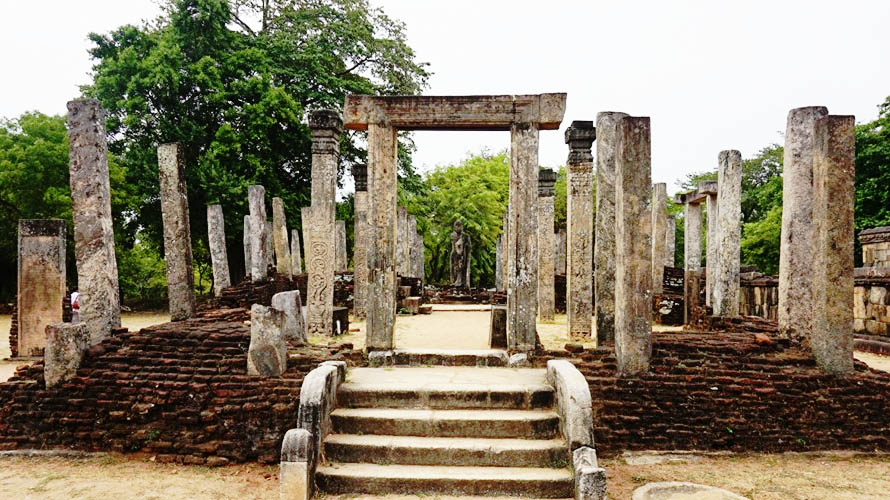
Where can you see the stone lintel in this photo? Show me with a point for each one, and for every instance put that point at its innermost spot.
(707, 188)
(490, 112)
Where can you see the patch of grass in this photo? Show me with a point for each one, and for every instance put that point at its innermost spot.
(638, 479)
(41, 485)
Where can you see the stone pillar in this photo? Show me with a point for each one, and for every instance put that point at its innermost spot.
(283, 262)
(546, 245)
(832, 266)
(604, 247)
(340, 264)
(725, 301)
(318, 228)
(177, 233)
(248, 268)
(659, 224)
(401, 242)
(795, 313)
(411, 239)
(692, 236)
(216, 240)
(91, 207)
(41, 282)
(420, 257)
(709, 188)
(579, 218)
(633, 248)
(270, 248)
(670, 241)
(561, 251)
(295, 253)
(65, 345)
(381, 295)
(360, 252)
(522, 245)
(499, 264)
(267, 352)
(256, 195)
(291, 305)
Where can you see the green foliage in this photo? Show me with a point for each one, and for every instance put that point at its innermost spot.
(873, 171)
(761, 240)
(475, 192)
(559, 199)
(142, 274)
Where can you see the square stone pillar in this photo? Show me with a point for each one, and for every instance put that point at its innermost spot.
(360, 252)
(256, 196)
(709, 189)
(41, 282)
(692, 236)
(579, 219)
(270, 248)
(499, 265)
(796, 248)
(633, 247)
(522, 245)
(725, 301)
(561, 251)
(283, 262)
(670, 241)
(177, 233)
(296, 255)
(402, 242)
(832, 266)
(93, 231)
(659, 235)
(419, 257)
(412, 247)
(340, 264)
(216, 240)
(382, 236)
(604, 246)
(319, 228)
(546, 245)
(245, 240)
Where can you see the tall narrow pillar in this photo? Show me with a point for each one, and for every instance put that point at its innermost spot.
(546, 245)
(41, 282)
(256, 197)
(216, 240)
(659, 225)
(604, 246)
(177, 233)
(296, 255)
(340, 246)
(709, 189)
(832, 267)
(499, 264)
(420, 251)
(381, 295)
(522, 245)
(270, 248)
(245, 241)
(579, 218)
(360, 253)
(725, 301)
(692, 236)
(633, 248)
(411, 238)
(670, 241)
(401, 242)
(283, 262)
(319, 228)
(795, 313)
(91, 207)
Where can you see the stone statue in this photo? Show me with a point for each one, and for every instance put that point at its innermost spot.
(460, 256)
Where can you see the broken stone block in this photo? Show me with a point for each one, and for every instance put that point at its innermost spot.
(267, 354)
(294, 481)
(518, 360)
(497, 332)
(289, 303)
(411, 304)
(65, 345)
(380, 358)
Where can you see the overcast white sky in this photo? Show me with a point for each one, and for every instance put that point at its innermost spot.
(712, 75)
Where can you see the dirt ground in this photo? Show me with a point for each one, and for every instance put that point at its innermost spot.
(758, 477)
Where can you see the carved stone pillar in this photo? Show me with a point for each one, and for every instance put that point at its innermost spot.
(360, 253)
(216, 240)
(659, 224)
(546, 245)
(725, 301)
(41, 282)
(633, 249)
(283, 261)
(319, 232)
(579, 218)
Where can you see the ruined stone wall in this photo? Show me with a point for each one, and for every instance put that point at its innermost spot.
(179, 391)
(871, 306)
(759, 297)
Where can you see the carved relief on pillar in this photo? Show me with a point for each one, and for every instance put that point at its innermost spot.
(579, 205)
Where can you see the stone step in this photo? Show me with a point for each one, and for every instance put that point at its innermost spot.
(424, 479)
(537, 424)
(519, 397)
(450, 357)
(414, 450)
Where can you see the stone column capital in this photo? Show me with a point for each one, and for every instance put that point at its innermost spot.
(360, 175)
(326, 126)
(546, 181)
(580, 136)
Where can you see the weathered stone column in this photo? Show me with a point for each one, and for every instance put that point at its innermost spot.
(296, 255)
(561, 251)
(216, 240)
(725, 301)
(360, 252)
(319, 228)
(283, 261)
(411, 238)
(270, 248)
(381, 295)
(402, 242)
(833, 193)
(420, 257)
(340, 246)
(245, 240)
(177, 233)
(692, 236)
(499, 263)
(659, 224)
(795, 313)
(579, 219)
(670, 241)
(41, 282)
(91, 207)
(65, 345)
(604, 246)
(709, 188)
(256, 196)
(546, 245)
(633, 248)
(522, 245)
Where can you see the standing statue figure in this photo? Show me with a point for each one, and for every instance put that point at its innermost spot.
(460, 256)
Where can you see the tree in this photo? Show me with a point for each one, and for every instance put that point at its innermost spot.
(873, 171)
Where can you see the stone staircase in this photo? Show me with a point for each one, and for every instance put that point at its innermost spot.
(446, 431)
